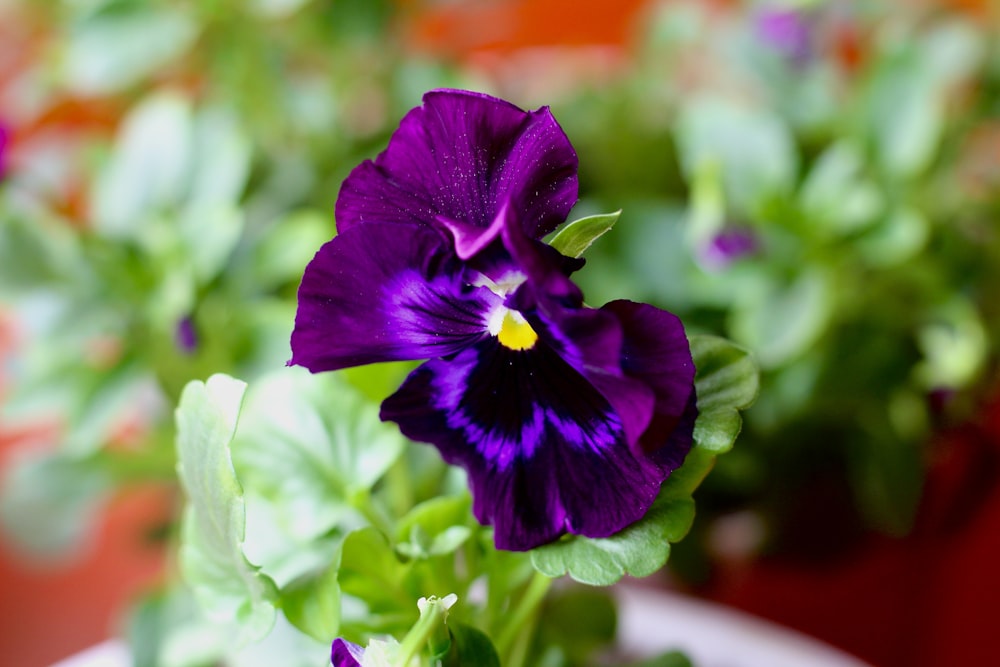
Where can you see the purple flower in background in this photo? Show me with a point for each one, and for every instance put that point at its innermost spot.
(345, 654)
(566, 418)
(787, 31)
(727, 246)
(185, 336)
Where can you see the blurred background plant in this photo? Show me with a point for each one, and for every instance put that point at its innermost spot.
(819, 181)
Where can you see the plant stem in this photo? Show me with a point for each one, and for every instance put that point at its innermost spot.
(522, 618)
(431, 619)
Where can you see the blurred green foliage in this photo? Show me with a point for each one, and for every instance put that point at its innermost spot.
(863, 170)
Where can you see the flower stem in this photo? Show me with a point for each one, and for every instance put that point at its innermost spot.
(432, 618)
(523, 616)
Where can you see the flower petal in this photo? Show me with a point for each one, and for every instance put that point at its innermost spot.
(656, 352)
(346, 654)
(590, 340)
(382, 292)
(545, 451)
(461, 156)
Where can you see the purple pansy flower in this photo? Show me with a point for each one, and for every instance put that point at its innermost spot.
(727, 246)
(346, 654)
(186, 336)
(788, 31)
(566, 418)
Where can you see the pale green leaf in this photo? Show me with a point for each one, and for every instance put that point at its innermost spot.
(726, 382)
(110, 50)
(221, 153)
(574, 239)
(639, 550)
(313, 443)
(284, 248)
(209, 232)
(434, 527)
(212, 561)
(149, 168)
(836, 195)
(433, 517)
(753, 147)
(370, 571)
(896, 239)
(781, 320)
(312, 603)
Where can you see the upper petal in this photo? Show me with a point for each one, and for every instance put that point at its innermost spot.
(382, 292)
(546, 453)
(461, 156)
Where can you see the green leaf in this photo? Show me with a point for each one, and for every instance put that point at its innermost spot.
(212, 561)
(469, 646)
(726, 382)
(284, 248)
(639, 550)
(685, 480)
(168, 628)
(312, 603)
(36, 252)
(579, 621)
(434, 527)
(110, 50)
(221, 153)
(370, 570)
(896, 239)
(753, 146)
(836, 195)
(148, 169)
(781, 320)
(907, 105)
(574, 239)
(209, 232)
(313, 445)
(376, 381)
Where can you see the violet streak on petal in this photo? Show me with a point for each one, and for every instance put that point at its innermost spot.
(379, 292)
(346, 654)
(545, 452)
(461, 156)
(590, 340)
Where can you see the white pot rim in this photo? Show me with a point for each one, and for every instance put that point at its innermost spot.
(650, 621)
(653, 621)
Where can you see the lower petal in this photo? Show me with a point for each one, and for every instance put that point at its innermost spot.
(656, 352)
(545, 452)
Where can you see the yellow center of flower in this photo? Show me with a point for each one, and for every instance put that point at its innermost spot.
(515, 332)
